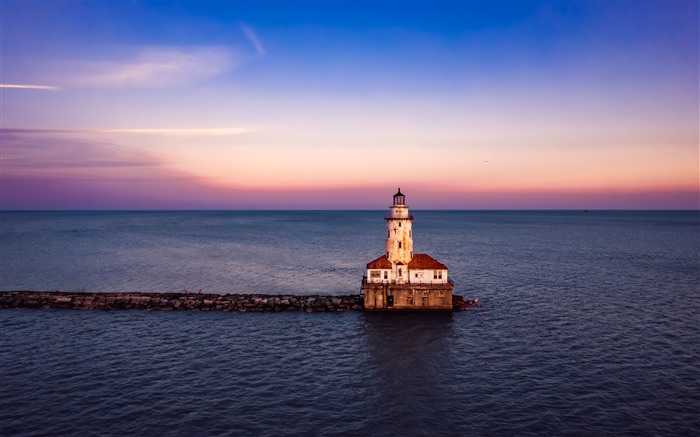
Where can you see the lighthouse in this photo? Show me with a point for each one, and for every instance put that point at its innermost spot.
(400, 279)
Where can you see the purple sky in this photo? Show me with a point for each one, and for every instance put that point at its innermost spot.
(296, 105)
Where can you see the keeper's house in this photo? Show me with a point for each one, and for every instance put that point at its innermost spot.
(400, 279)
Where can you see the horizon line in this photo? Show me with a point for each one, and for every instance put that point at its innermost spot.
(348, 210)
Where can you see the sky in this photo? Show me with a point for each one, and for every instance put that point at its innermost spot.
(334, 105)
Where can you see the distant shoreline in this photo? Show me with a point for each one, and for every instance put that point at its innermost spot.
(189, 301)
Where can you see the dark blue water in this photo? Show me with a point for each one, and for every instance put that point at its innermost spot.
(590, 325)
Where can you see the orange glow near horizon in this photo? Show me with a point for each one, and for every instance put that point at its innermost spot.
(591, 169)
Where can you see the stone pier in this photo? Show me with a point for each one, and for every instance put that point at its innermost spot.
(191, 301)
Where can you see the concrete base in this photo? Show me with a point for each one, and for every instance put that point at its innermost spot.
(407, 297)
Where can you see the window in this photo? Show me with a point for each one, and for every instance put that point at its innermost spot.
(440, 274)
(416, 275)
(410, 233)
(374, 274)
(399, 224)
(400, 272)
(434, 274)
(399, 245)
(386, 275)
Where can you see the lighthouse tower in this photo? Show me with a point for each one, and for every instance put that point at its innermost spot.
(399, 237)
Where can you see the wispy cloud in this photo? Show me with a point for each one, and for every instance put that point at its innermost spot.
(24, 153)
(153, 67)
(253, 39)
(216, 131)
(63, 172)
(28, 87)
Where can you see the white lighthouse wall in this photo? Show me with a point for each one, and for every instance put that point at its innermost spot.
(379, 276)
(397, 211)
(427, 276)
(402, 234)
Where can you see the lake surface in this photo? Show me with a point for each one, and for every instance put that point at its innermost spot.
(590, 325)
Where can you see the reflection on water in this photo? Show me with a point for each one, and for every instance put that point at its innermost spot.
(408, 355)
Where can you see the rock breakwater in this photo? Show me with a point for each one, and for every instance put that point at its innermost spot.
(178, 301)
(189, 301)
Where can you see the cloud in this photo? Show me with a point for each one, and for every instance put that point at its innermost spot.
(23, 153)
(253, 39)
(212, 131)
(60, 172)
(153, 67)
(28, 87)
(215, 131)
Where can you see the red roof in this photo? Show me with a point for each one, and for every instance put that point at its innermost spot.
(425, 262)
(420, 261)
(380, 263)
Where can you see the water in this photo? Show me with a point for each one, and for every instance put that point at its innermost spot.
(590, 326)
